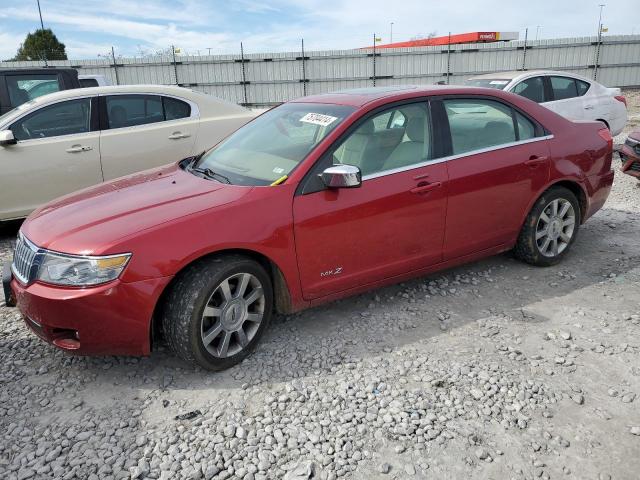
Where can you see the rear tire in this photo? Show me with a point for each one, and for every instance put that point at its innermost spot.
(550, 229)
(217, 311)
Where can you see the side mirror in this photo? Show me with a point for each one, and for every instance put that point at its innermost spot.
(342, 176)
(7, 138)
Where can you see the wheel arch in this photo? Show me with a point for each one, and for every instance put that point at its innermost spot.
(570, 184)
(281, 292)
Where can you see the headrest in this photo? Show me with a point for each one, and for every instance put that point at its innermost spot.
(415, 129)
(366, 128)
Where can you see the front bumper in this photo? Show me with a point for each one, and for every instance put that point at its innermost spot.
(630, 161)
(110, 319)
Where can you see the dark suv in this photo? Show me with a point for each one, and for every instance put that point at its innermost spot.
(19, 85)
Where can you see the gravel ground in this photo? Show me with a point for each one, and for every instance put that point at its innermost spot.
(492, 370)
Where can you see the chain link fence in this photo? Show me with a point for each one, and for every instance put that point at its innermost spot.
(271, 78)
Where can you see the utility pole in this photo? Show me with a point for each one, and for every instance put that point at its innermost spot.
(391, 34)
(538, 27)
(595, 66)
(209, 49)
(40, 13)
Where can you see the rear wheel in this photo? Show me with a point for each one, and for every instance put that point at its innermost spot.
(217, 311)
(550, 228)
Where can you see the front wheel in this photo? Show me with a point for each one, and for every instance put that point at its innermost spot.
(217, 311)
(550, 228)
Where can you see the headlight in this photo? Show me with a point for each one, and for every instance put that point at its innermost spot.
(77, 271)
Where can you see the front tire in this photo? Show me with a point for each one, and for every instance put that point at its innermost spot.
(550, 229)
(217, 311)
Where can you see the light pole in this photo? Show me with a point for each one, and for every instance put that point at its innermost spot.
(538, 27)
(602, 5)
(391, 34)
(40, 13)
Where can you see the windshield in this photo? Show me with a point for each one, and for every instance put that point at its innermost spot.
(497, 83)
(271, 146)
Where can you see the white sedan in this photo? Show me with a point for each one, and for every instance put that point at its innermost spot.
(572, 96)
(72, 139)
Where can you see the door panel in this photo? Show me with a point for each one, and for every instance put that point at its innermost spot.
(488, 195)
(137, 137)
(132, 149)
(351, 237)
(38, 170)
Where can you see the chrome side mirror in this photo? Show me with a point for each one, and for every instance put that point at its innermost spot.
(7, 138)
(342, 176)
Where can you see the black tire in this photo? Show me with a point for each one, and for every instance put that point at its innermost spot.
(182, 320)
(527, 248)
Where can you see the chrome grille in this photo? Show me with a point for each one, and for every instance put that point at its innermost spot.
(24, 259)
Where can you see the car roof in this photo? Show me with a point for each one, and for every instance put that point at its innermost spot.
(513, 74)
(358, 97)
(107, 89)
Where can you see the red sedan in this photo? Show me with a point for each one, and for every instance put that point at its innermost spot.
(318, 199)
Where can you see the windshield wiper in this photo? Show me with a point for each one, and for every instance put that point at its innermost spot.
(208, 173)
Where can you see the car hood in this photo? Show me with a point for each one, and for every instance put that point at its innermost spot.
(93, 220)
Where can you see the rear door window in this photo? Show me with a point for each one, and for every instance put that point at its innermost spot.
(478, 124)
(63, 118)
(563, 88)
(23, 88)
(531, 88)
(133, 110)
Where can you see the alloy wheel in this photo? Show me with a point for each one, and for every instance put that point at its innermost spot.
(232, 315)
(555, 228)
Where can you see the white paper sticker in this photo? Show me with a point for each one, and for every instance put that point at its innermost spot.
(318, 119)
(278, 170)
(498, 82)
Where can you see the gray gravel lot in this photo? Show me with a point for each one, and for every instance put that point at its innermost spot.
(492, 370)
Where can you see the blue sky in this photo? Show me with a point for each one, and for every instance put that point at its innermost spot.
(90, 27)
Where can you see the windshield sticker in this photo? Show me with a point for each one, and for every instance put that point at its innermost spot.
(278, 170)
(498, 82)
(318, 119)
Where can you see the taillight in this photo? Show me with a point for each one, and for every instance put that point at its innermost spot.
(622, 99)
(605, 134)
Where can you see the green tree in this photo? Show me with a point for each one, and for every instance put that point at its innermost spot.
(41, 45)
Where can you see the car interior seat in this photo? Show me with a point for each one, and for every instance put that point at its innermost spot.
(496, 133)
(117, 116)
(356, 147)
(412, 151)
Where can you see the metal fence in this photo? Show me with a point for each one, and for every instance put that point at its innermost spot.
(270, 78)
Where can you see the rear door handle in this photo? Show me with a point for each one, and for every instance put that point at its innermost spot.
(424, 187)
(534, 161)
(78, 148)
(178, 136)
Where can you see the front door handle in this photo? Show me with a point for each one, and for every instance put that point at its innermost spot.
(78, 148)
(588, 107)
(534, 161)
(424, 187)
(178, 136)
